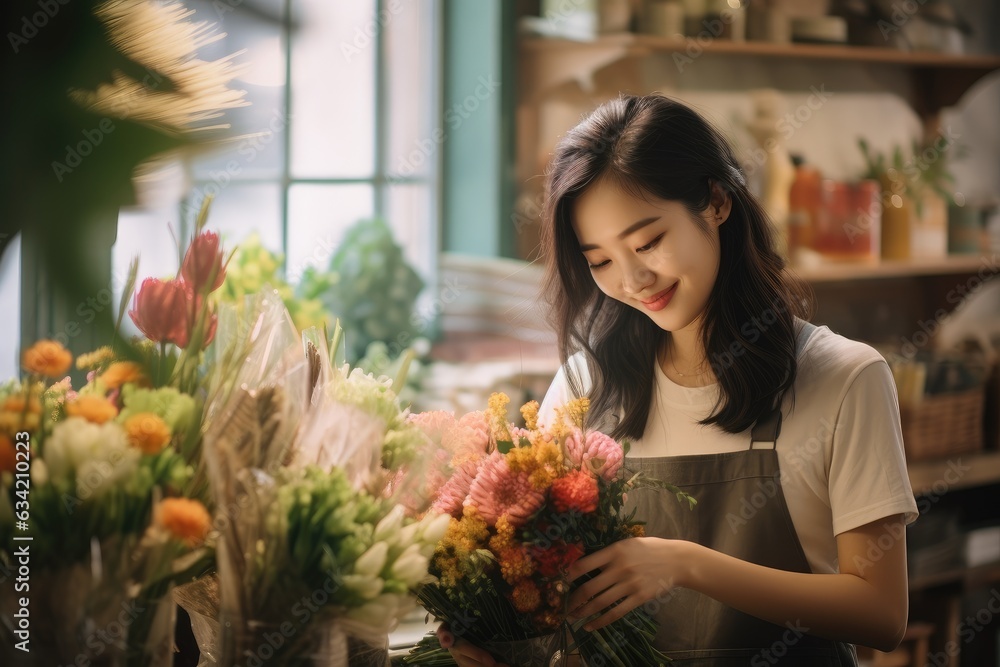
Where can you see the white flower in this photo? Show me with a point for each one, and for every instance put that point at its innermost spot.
(436, 525)
(408, 533)
(91, 456)
(372, 561)
(39, 473)
(365, 586)
(380, 614)
(411, 566)
(389, 527)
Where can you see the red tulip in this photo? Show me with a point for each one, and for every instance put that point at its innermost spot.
(195, 303)
(203, 263)
(160, 310)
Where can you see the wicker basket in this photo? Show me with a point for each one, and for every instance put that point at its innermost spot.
(991, 414)
(943, 425)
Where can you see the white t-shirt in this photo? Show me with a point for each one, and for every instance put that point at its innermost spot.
(840, 448)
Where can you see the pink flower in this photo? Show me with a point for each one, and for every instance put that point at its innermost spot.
(451, 497)
(468, 439)
(160, 309)
(202, 267)
(577, 491)
(595, 452)
(496, 491)
(435, 424)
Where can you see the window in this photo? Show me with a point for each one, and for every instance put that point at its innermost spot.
(345, 102)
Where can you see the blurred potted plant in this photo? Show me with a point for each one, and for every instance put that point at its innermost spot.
(916, 193)
(374, 290)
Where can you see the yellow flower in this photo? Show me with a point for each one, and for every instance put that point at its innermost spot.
(147, 432)
(123, 372)
(521, 459)
(471, 530)
(94, 409)
(7, 455)
(95, 359)
(530, 413)
(48, 358)
(549, 464)
(183, 518)
(505, 535)
(497, 412)
(575, 411)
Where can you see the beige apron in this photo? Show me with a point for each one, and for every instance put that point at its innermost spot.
(695, 630)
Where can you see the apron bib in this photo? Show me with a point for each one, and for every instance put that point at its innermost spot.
(741, 511)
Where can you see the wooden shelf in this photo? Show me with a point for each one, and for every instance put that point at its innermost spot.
(940, 79)
(645, 44)
(950, 265)
(961, 471)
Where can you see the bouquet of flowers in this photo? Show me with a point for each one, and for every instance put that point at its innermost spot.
(316, 556)
(101, 485)
(526, 503)
(92, 498)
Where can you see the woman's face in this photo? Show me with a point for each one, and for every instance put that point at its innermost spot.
(650, 253)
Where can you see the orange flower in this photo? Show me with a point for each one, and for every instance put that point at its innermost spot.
(92, 408)
(7, 457)
(577, 491)
(48, 358)
(183, 518)
(12, 422)
(515, 564)
(147, 432)
(526, 596)
(16, 403)
(123, 372)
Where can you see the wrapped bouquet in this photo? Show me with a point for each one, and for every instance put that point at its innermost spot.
(526, 503)
(317, 557)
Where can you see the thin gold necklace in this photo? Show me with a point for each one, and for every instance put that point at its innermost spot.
(670, 357)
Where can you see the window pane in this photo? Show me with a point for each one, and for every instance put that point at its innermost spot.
(149, 233)
(410, 211)
(415, 138)
(318, 215)
(258, 150)
(333, 90)
(10, 305)
(240, 210)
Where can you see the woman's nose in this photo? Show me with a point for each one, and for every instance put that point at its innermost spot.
(637, 277)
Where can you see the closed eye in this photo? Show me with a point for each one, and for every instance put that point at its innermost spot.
(649, 246)
(600, 265)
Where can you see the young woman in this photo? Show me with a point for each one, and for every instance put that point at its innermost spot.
(675, 318)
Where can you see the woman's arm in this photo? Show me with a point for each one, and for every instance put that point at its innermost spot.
(866, 603)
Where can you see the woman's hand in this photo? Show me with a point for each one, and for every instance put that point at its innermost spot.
(632, 572)
(464, 653)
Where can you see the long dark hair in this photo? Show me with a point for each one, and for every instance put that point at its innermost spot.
(652, 145)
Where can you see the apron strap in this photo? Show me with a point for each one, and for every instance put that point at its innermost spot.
(768, 428)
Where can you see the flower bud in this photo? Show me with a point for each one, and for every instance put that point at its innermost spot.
(372, 561)
(159, 310)
(202, 268)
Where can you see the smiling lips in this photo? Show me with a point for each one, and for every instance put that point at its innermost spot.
(660, 301)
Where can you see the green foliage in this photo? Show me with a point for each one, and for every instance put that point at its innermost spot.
(375, 289)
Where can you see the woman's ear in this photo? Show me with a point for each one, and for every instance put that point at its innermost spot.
(720, 204)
